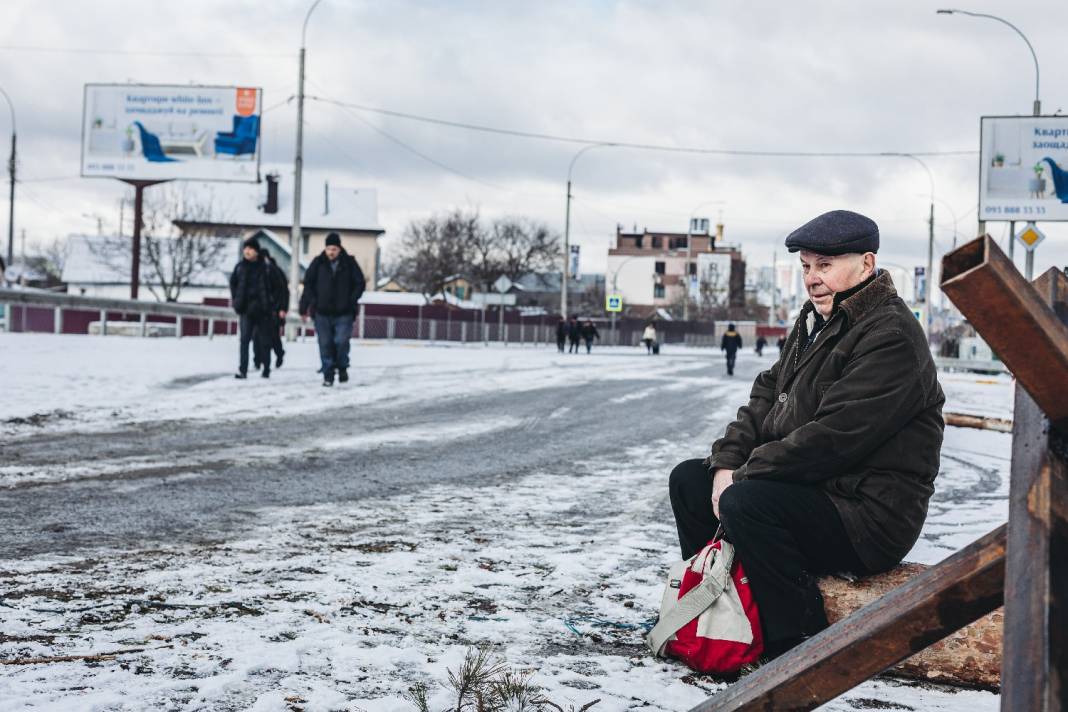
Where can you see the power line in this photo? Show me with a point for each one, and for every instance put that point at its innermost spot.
(630, 144)
(151, 53)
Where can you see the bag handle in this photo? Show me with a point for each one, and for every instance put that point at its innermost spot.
(694, 602)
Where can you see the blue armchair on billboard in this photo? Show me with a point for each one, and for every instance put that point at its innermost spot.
(242, 139)
(1060, 179)
(150, 146)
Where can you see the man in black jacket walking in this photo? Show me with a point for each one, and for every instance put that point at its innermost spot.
(731, 342)
(830, 465)
(250, 295)
(279, 303)
(332, 286)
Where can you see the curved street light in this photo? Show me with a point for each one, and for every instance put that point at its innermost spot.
(930, 244)
(565, 274)
(11, 175)
(1038, 104)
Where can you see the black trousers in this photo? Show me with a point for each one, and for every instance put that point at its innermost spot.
(731, 355)
(256, 329)
(276, 336)
(784, 534)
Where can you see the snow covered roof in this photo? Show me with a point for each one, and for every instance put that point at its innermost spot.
(414, 299)
(86, 265)
(325, 204)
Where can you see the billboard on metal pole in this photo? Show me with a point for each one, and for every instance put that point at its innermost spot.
(1023, 168)
(163, 132)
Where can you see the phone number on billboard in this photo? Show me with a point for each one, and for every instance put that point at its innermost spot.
(1013, 210)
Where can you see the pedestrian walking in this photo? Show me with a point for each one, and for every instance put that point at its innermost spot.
(574, 335)
(649, 337)
(781, 343)
(250, 295)
(830, 464)
(761, 342)
(333, 284)
(731, 342)
(561, 334)
(280, 303)
(589, 333)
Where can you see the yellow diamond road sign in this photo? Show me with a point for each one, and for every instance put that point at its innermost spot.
(1030, 236)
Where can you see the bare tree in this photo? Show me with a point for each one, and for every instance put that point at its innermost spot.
(434, 250)
(171, 259)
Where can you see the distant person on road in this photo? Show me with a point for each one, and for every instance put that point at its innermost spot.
(731, 342)
(250, 295)
(280, 306)
(561, 334)
(781, 343)
(574, 335)
(761, 342)
(649, 337)
(589, 333)
(332, 286)
(831, 461)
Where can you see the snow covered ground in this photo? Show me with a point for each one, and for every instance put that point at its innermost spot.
(346, 605)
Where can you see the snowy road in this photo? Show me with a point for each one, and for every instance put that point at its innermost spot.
(275, 546)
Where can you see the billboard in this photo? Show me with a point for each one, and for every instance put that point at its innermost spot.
(160, 132)
(1023, 168)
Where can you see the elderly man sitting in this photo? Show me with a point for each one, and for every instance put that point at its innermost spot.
(830, 465)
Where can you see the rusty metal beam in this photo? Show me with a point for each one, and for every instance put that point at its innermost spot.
(906, 620)
(1035, 674)
(1008, 313)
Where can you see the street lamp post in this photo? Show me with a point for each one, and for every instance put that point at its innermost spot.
(298, 177)
(930, 246)
(615, 289)
(11, 177)
(689, 256)
(1037, 107)
(566, 273)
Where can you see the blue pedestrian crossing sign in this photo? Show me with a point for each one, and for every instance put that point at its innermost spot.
(613, 303)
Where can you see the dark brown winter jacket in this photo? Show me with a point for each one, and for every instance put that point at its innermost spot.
(857, 413)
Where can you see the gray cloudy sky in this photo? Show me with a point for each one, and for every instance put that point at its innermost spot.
(834, 76)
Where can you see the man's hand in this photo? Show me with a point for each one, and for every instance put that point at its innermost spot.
(281, 315)
(721, 480)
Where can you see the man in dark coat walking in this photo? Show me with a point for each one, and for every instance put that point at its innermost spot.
(279, 303)
(574, 334)
(332, 286)
(561, 334)
(250, 295)
(589, 333)
(830, 465)
(731, 342)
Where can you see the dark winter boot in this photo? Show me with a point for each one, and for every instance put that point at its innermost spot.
(343, 375)
(278, 361)
(240, 374)
(266, 371)
(328, 378)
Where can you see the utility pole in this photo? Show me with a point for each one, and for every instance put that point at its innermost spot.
(11, 164)
(295, 236)
(565, 274)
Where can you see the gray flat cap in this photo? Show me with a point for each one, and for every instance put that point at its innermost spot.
(836, 233)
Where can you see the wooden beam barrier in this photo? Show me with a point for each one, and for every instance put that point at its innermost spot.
(927, 608)
(979, 422)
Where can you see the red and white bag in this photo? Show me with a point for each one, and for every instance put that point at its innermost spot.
(708, 618)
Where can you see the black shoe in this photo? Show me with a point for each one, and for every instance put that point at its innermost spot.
(256, 364)
(266, 372)
(328, 379)
(278, 361)
(240, 374)
(343, 375)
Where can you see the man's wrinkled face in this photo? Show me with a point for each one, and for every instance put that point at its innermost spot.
(251, 254)
(827, 274)
(332, 251)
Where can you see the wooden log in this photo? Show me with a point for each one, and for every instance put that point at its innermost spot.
(970, 657)
(979, 422)
(927, 608)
